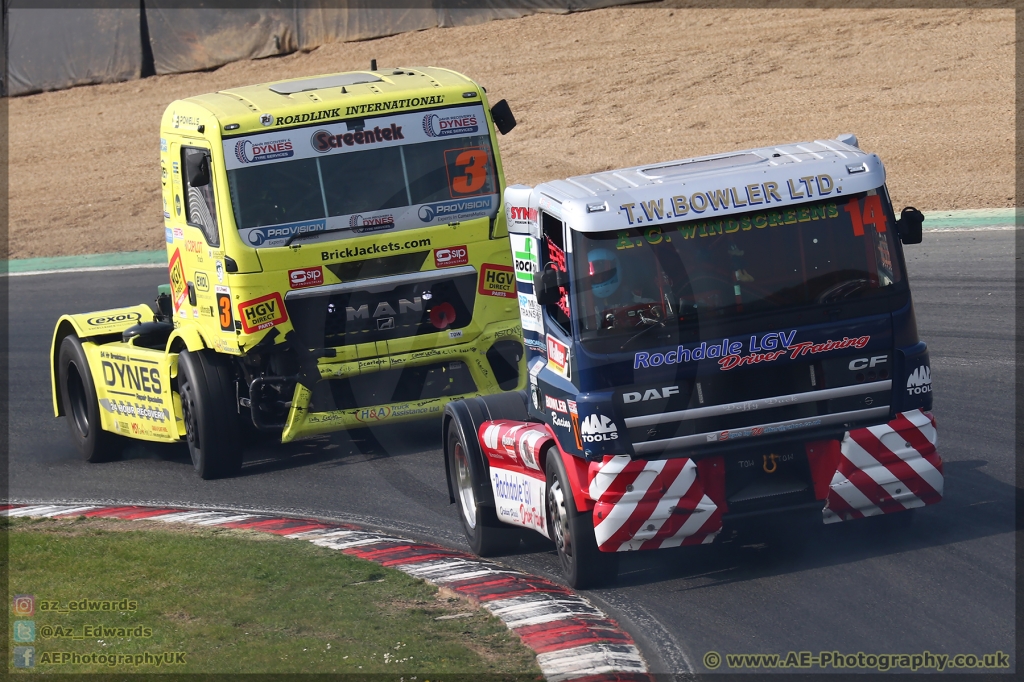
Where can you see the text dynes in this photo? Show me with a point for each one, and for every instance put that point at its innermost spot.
(766, 348)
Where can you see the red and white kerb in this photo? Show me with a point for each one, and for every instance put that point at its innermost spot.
(885, 469)
(650, 504)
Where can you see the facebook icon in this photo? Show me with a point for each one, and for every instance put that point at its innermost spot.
(24, 657)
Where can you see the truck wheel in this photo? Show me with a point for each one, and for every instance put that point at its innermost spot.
(583, 563)
(207, 390)
(81, 406)
(487, 535)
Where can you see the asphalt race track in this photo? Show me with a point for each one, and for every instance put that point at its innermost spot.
(945, 584)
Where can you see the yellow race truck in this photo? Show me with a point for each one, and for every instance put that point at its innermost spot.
(338, 258)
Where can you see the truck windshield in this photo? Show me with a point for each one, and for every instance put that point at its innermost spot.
(374, 174)
(634, 287)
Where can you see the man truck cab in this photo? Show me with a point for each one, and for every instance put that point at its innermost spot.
(707, 339)
(337, 258)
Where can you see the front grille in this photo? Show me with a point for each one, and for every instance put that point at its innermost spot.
(418, 303)
(406, 385)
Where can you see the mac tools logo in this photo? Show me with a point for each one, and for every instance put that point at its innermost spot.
(442, 126)
(597, 428)
(248, 152)
(920, 381)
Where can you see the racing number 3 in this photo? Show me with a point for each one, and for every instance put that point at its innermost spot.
(224, 305)
(872, 215)
(473, 163)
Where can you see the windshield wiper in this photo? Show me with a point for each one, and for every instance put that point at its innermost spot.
(302, 235)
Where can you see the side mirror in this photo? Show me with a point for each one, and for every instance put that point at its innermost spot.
(502, 116)
(546, 284)
(909, 225)
(197, 170)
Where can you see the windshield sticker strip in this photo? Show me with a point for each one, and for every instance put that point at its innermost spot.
(764, 348)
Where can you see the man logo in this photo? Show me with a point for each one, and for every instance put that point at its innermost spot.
(650, 394)
(597, 428)
(920, 381)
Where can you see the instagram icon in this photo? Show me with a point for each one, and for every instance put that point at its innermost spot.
(24, 604)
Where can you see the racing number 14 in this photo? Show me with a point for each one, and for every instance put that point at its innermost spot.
(872, 215)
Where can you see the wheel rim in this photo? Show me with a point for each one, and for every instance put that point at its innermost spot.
(464, 482)
(188, 415)
(558, 519)
(79, 403)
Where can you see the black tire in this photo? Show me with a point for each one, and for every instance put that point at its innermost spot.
(583, 564)
(207, 389)
(82, 407)
(487, 536)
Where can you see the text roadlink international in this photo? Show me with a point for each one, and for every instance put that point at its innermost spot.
(838, 660)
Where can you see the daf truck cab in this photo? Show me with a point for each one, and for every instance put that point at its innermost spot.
(707, 339)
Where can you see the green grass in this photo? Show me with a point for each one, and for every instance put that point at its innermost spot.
(240, 602)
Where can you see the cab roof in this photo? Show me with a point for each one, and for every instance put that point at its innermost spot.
(341, 92)
(735, 182)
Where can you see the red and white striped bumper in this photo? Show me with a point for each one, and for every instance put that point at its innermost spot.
(644, 504)
(885, 469)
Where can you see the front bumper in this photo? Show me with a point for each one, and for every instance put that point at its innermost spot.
(302, 422)
(651, 504)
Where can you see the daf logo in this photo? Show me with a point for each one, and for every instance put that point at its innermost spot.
(864, 363)
(650, 394)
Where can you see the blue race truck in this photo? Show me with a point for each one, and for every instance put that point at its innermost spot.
(707, 339)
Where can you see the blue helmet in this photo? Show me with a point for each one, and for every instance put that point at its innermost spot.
(604, 272)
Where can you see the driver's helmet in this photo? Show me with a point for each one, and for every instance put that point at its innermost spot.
(604, 272)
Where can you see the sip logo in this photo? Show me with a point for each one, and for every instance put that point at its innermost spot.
(306, 277)
(262, 313)
(451, 256)
(597, 428)
(179, 291)
(497, 280)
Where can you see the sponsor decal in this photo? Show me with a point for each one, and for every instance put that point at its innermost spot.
(455, 334)
(202, 281)
(530, 313)
(324, 141)
(391, 105)
(497, 280)
(556, 404)
(262, 313)
(177, 205)
(168, 234)
(461, 208)
(219, 266)
(222, 289)
(764, 348)
(650, 394)
(373, 414)
(266, 120)
(523, 260)
(558, 357)
(450, 256)
(247, 151)
(273, 236)
(120, 373)
(514, 331)
(377, 223)
(195, 313)
(865, 363)
(193, 246)
(920, 381)
(372, 249)
(179, 233)
(560, 421)
(306, 277)
(312, 117)
(179, 289)
(443, 126)
(163, 144)
(574, 416)
(113, 318)
(206, 311)
(522, 215)
(534, 344)
(722, 436)
(179, 120)
(597, 428)
(519, 499)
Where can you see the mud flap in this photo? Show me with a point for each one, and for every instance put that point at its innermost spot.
(886, 469)
(651, 504)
